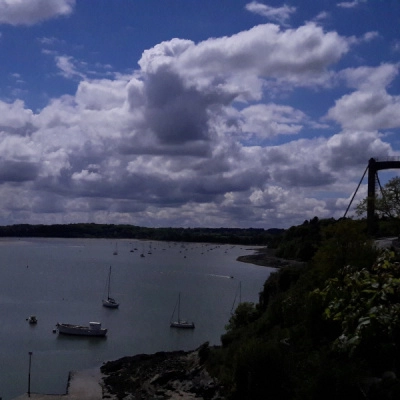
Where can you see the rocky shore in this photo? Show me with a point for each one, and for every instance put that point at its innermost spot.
(266, 257)
(163, 375)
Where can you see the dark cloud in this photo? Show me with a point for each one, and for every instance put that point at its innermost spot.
(48, 204)
(18, 171)
(25, 130)
(303, 176)
(177, 114)
(352, 148)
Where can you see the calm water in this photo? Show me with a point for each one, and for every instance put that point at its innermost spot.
(63, 280)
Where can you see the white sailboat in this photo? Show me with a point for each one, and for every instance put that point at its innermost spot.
(109, 301)
(142, 253)
(180, 323)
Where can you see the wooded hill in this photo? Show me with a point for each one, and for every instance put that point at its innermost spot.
(327, 330)
(250, 236)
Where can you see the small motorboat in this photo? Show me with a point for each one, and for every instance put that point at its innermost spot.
(32, 319)
(94, 329)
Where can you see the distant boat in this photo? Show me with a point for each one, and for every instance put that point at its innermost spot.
(180, 323)
(142, 253)
(32, 319)
(109, 301)
(94, 329)
(116, 249)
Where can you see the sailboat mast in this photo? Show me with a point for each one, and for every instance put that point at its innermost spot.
(179, 307)
(109, 283)
(237, 294)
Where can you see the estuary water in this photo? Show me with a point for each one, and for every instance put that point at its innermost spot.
(64, 280)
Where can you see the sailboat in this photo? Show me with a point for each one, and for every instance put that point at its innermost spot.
(109, 301)
(180, 323)
(238, 294)
(115, 253)
(142, 253)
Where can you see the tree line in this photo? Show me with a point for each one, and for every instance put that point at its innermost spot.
(249, 236)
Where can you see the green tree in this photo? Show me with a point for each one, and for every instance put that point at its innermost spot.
(345, 242)
(244, 314)
(366, 304)
(387, 203)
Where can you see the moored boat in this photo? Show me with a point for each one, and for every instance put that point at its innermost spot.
(94, 329)
(180, 323)
(32, 319)
(109, 301)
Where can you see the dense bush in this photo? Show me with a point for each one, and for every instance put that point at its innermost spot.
(328, 330)
(366, 305)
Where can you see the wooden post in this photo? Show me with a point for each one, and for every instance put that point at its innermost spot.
(29, 374)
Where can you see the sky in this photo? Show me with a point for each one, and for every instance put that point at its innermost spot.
(189, 113)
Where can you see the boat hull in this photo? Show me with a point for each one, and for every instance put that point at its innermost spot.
(110, 303)
(182, 325)
(94, 329)
(32, 320)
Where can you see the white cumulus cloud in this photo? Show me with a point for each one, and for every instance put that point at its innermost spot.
(22, 12)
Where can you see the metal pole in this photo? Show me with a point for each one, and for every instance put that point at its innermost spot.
(29, 374)
(354, 195)
(372, 169)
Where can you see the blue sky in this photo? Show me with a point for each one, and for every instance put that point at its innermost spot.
(194, 113)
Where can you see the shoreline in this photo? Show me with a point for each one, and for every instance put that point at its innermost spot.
(83, 384)
(163, 375)
(266, 257)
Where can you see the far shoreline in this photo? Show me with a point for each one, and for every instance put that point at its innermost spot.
(266, 257)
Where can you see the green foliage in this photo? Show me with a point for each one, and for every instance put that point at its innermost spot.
(387, 203)
(278, 282)
(244, 315)
(319, 330)
(301, 242)
(260, 372)
(338, 379)
(388, 227)
(344, 243)
(366, 304)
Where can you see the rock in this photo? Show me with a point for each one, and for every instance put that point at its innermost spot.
(162, 375)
